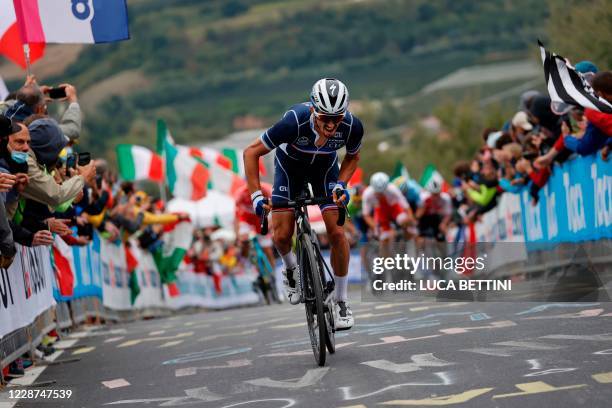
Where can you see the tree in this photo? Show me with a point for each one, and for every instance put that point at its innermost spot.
(581, 30)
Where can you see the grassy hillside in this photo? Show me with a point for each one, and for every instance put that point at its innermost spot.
(199, 64)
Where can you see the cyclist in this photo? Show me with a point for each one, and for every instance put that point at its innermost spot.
(384, 204)
(306, 140)
(411, 191)
(435, 212)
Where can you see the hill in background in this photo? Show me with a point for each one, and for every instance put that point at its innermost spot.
(210, 68)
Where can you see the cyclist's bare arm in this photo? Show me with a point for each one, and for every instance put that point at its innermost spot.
(251, 157)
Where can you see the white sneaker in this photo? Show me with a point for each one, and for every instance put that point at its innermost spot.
(291, 280)
(343, 316)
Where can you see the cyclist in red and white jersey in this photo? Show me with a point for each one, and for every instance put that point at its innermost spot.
(383, 205)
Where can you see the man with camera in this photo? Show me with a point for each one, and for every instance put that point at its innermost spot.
(32, 99)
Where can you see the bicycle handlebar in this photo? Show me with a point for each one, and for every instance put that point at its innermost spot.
(303, 202)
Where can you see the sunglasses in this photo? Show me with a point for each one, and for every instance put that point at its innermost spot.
(333, 119)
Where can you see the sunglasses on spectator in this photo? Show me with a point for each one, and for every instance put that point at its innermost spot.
(333, 119)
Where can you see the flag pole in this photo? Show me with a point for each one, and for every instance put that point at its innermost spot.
(26, 52)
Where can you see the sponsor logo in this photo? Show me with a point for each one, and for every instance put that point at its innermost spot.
(602, 188)
(283, 188)
(302, 141)
(533, 221)
(574, 200)
(551, 213)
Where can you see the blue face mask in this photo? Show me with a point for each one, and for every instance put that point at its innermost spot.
(19, 157)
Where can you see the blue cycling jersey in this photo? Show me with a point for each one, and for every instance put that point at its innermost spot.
(295, 135)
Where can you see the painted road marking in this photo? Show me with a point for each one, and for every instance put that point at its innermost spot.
(494, 325)
(535, 364)
(443, 379)
(550, 371)
(418, 361)
(537, 387)
(541, 308)
(157, 332)
(114, 339)
(479, 316)
(201, 394)
(311, 377)
(603, 378)
(443, 400)
(118, 383)
(398, 339)
(170, 344)
(83, 350)
(586, 337)
(509, 348)
(302, 352)
(185, 372)
(578, 315)
(290, 326)
(138, 341)
(207, 355)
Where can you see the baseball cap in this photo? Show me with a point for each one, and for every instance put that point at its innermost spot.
(8, 127)
(521, 120)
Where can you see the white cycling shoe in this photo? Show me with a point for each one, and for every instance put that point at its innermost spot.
(291, 281)
(343, 316)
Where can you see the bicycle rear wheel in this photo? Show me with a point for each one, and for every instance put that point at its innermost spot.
(313, 296)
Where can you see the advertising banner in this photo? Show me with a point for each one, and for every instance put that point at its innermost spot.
(575, 205)
(199, 289)
(115, 278)
(26, 288)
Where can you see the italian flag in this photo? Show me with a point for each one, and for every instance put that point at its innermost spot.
(211, 157)
(224, 173)
(430, 174)
(237, 164)
(63, 261)
(177, 240)
(187, 177)
(139, 163)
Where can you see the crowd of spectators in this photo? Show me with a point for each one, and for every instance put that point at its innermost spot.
(50, 188)
(524, 151)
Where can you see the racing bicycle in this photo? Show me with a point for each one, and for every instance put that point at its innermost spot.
(317, 281)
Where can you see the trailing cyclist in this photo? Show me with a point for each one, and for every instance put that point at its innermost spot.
(385, 205)
(306, 140)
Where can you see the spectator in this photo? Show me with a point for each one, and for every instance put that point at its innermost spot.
(31, 99)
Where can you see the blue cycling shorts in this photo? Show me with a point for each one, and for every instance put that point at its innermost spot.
(290, 176)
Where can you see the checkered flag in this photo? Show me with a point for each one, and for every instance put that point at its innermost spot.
(566, 85)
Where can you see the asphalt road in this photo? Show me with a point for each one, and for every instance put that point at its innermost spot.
(398, 354)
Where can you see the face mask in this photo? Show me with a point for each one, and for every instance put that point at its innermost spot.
(19, 157)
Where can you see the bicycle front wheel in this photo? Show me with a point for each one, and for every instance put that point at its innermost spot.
(313, 299)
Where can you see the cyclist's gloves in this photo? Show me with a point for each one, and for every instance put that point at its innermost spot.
(258, 200)
(340, 190)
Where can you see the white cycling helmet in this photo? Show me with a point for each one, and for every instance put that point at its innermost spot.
(434, 186)
(329, 97)
(379, 182)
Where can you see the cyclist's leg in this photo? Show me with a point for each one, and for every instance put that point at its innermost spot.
(288, 179)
